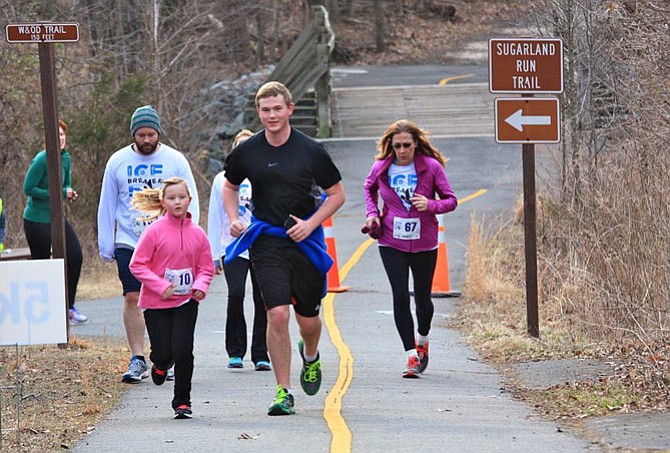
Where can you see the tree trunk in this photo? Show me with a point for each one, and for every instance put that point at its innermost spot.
(380, 44)
(348, 8)
(260, 44)
(236, 30)
(333, 8)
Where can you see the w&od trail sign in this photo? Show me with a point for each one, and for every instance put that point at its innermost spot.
(45, 34)
(42, 32)
(526, 65)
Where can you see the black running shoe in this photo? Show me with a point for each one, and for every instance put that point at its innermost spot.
(183, 411)
(157, 375)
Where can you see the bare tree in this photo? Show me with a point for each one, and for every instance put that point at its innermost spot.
(610, 223)
(380, 43)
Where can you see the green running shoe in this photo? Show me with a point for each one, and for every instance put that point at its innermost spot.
(310, 375)
(283, 403)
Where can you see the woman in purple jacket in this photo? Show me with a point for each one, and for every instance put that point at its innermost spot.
(409, 176)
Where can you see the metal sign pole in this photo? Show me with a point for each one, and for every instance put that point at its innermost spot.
(17, 390)
(18, 399)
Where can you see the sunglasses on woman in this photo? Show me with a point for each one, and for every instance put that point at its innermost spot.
(402, 145)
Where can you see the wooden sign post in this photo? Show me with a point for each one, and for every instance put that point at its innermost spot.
(44, 35)
(527, 66)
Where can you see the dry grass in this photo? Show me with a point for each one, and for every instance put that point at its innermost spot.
(493, 311)
(99, 281)
(492, 314)
(64, 391)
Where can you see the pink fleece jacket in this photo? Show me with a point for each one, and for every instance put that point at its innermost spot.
(432, 183)
(172, 243)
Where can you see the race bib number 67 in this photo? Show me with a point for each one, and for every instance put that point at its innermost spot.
(406, 229)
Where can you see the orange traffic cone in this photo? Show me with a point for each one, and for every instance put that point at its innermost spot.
(334, 272)
(441, 287)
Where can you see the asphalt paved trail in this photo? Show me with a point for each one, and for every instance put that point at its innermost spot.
(364, 405)
(458, 404)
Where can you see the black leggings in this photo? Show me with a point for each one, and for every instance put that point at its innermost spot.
(236, 327)
(38, 236)
(171, 332)
(397, 265)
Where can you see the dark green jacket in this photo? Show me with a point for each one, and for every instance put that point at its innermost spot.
(36, 186)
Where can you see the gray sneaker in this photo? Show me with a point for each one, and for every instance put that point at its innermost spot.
(310, 375)
(137, 370)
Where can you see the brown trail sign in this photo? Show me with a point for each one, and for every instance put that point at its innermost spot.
(42, 32)
(527, 120)
(526, 65)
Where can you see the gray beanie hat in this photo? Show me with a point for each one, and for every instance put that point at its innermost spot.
(145, 116)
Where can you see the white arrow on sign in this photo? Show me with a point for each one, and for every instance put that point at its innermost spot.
(518, 121)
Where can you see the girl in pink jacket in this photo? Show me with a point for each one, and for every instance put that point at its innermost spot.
(174, 263)
(408, 175)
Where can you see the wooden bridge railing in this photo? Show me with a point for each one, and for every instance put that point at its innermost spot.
(305, 66)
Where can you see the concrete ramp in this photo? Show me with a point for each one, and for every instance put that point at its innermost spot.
(458, 109)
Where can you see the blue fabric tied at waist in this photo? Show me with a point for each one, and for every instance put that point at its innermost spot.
(314, 247)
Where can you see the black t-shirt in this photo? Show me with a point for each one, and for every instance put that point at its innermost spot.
(283, 178)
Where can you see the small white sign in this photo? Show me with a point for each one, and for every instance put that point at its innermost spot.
(32, 302)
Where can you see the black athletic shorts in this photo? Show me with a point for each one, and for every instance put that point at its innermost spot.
(286, 276)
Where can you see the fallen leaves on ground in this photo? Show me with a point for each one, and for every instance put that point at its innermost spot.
(62, 392)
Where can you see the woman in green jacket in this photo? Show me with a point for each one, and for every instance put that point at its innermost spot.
(37, 219)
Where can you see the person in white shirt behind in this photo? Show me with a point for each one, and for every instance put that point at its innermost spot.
(235, 273)
(144, 163)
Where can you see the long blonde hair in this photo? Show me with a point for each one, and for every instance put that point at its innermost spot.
(148, 200)
(420, 136)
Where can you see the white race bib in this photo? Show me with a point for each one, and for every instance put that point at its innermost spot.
(406, 229)
(182, 279)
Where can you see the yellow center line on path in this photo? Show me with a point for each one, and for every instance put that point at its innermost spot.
(479, 193)
(332, 410)
(449, 79)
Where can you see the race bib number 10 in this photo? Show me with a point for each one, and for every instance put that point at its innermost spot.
(182, 279)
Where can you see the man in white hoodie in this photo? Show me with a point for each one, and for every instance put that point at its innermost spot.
(145, 162)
